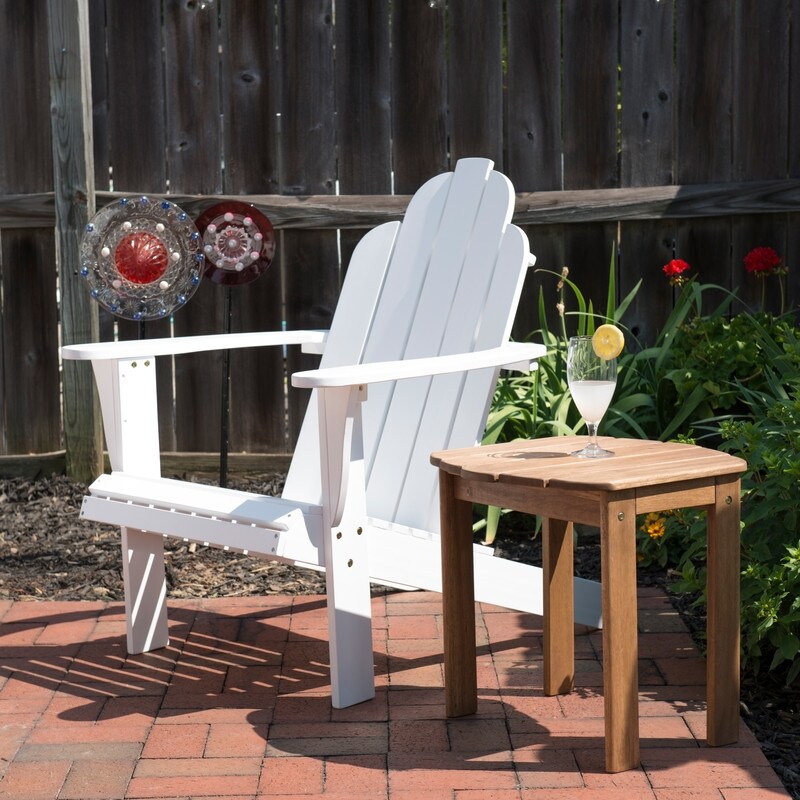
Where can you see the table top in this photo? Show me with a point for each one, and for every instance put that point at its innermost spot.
(547, 462)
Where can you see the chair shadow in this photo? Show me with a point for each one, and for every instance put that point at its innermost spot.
(256, 661)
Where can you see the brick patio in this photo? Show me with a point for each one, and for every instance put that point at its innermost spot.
(238, 708)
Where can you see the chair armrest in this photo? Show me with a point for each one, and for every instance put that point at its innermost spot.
(514, 355)
(142, 348)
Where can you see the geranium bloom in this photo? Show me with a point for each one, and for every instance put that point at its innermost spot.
(763, 261)
(674, 271)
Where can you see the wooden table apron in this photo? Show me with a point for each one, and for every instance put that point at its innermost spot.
(539, 477)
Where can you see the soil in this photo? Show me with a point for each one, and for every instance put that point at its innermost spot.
(48, 553)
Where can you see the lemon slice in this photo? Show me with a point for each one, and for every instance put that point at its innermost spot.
(608, 341)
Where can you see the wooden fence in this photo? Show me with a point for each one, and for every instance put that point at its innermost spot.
(665, 129)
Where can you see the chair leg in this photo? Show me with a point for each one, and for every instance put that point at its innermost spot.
(349, 617)
(145, 590)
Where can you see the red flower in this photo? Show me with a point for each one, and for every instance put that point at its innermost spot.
(763, 261)
(674, 271)
(675, 267)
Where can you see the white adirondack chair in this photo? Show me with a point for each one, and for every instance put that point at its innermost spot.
(423, 320)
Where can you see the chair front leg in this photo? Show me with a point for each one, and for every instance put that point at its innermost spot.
(145, 590)
(346, 560)
(128, 398)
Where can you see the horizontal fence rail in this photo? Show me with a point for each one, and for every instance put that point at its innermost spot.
(344, 212)
(641, 128)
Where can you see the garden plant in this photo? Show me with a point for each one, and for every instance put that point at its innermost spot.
(720, 375)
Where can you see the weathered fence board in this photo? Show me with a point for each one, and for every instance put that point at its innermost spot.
(419, 110)
(646, 155)
(363, 84)
(251, 94)
(661, 128)
(704, 65)
(308, 160)
(589, 128)
(344, 212)
(475, 84)
(30, 363)
(29, 389)
(533, 100)
(73, 176)
(192, 92)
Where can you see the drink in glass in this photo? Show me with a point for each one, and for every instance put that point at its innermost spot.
(591, 380)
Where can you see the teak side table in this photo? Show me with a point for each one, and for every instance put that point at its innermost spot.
(540, 477)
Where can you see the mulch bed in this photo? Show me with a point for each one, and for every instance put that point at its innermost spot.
(48, 553)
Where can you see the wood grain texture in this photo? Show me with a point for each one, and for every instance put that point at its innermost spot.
(761, 89)
(363, 86)
(704, 41)
(647, 151)
(559, 606)
(419, 109)
(192, 92)
(25, 154)
(475, 85)
(461, 683)
(533, 101)
(136, 112)
(308, 157)
(73, 177)
(36, 209)
(646, 86)
(724, 578)
(30, 402)
(620, 645)
(520, 475)
(250, 87)
(25, 166)
(645, 246)
(589, 87)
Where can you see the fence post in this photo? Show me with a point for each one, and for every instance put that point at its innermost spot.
(73, 180)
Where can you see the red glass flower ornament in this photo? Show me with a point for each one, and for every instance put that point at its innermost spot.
(238, 242)
(141, 257)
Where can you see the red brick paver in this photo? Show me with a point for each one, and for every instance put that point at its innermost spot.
(238, 708)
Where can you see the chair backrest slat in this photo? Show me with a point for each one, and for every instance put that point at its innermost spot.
(451, 284)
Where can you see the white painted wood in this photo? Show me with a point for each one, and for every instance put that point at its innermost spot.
(447, 320)
(513, 355)
(128, 401)
(416, 561)
(433, 296)
(249, 539)
(145, 348)
(127, 391)
(351, 325)
(145, 591)
(198, 498)
(344, 522)
(419, 497)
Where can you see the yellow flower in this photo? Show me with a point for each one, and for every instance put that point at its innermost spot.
(654, 525)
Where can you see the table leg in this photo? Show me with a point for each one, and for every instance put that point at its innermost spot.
(722, 663)
(559, 603)
(620, 644)
(458, 601)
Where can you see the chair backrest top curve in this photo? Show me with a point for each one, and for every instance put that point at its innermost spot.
(446, 280)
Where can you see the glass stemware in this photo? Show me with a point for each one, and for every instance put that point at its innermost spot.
(591, 380)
